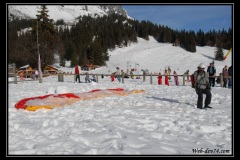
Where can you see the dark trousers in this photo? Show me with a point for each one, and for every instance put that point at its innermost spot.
(78, 78)
(225, 80)
(200, 93)
(212, 81)
(119, 78)
(230, 82)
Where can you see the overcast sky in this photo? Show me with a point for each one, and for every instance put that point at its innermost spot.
(188, 17)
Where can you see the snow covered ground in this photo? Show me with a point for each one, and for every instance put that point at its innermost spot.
(162, 121)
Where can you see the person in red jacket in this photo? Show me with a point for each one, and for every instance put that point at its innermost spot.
(166, 77)
(176, 78)
(159, 78)
(77, 72)
(112, 77)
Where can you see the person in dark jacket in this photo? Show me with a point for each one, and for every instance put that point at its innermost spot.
(211, 73)
(230, 77)
(202, 87)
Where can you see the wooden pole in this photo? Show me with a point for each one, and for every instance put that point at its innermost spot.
(14, 72)
(144, 78)
(221, 82)
(151, 78)
(122, 77)
(184, 79)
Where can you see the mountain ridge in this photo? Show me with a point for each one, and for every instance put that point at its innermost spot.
(68, 13)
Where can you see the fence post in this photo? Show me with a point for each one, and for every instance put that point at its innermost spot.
(40, 80)
(39, 76)
(221, 82)
(144, 78)
(15, 74)
(97, 78)
(151, 78)
(122, 77)
(184, 79)
(60, 77)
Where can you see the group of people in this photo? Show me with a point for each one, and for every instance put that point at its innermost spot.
(167, 72)
(33, 75)
(227, 76)
(203, 80)
(87, 78)
(226, 73)
(116, 74)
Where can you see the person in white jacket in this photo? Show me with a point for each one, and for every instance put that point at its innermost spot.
(202, 86)
(118, 74)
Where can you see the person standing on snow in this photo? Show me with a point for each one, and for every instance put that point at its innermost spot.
(202, 86)
(87, 79)
(166, 77)
(77, 72)
(169, 72)
(176, 78)
(112, 77)
(187, 73)
(211, 73)
(36, 74)
(131, 73)
(93, 78)
(225, 76)
(159, 78)
(118, 74)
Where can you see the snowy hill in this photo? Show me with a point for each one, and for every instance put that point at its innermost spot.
(156, 56)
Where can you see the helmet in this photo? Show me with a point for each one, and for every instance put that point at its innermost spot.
(201, 65)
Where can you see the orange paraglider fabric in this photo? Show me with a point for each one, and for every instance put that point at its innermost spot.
(51, 101)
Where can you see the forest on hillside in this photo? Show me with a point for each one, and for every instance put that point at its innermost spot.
(88, 41)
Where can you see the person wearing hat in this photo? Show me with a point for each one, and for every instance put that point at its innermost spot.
(225, 76)
(211, 73)
(202, 87)
(118, 74)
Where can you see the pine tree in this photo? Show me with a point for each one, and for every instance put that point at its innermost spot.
(219, 54)
(46, 36)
